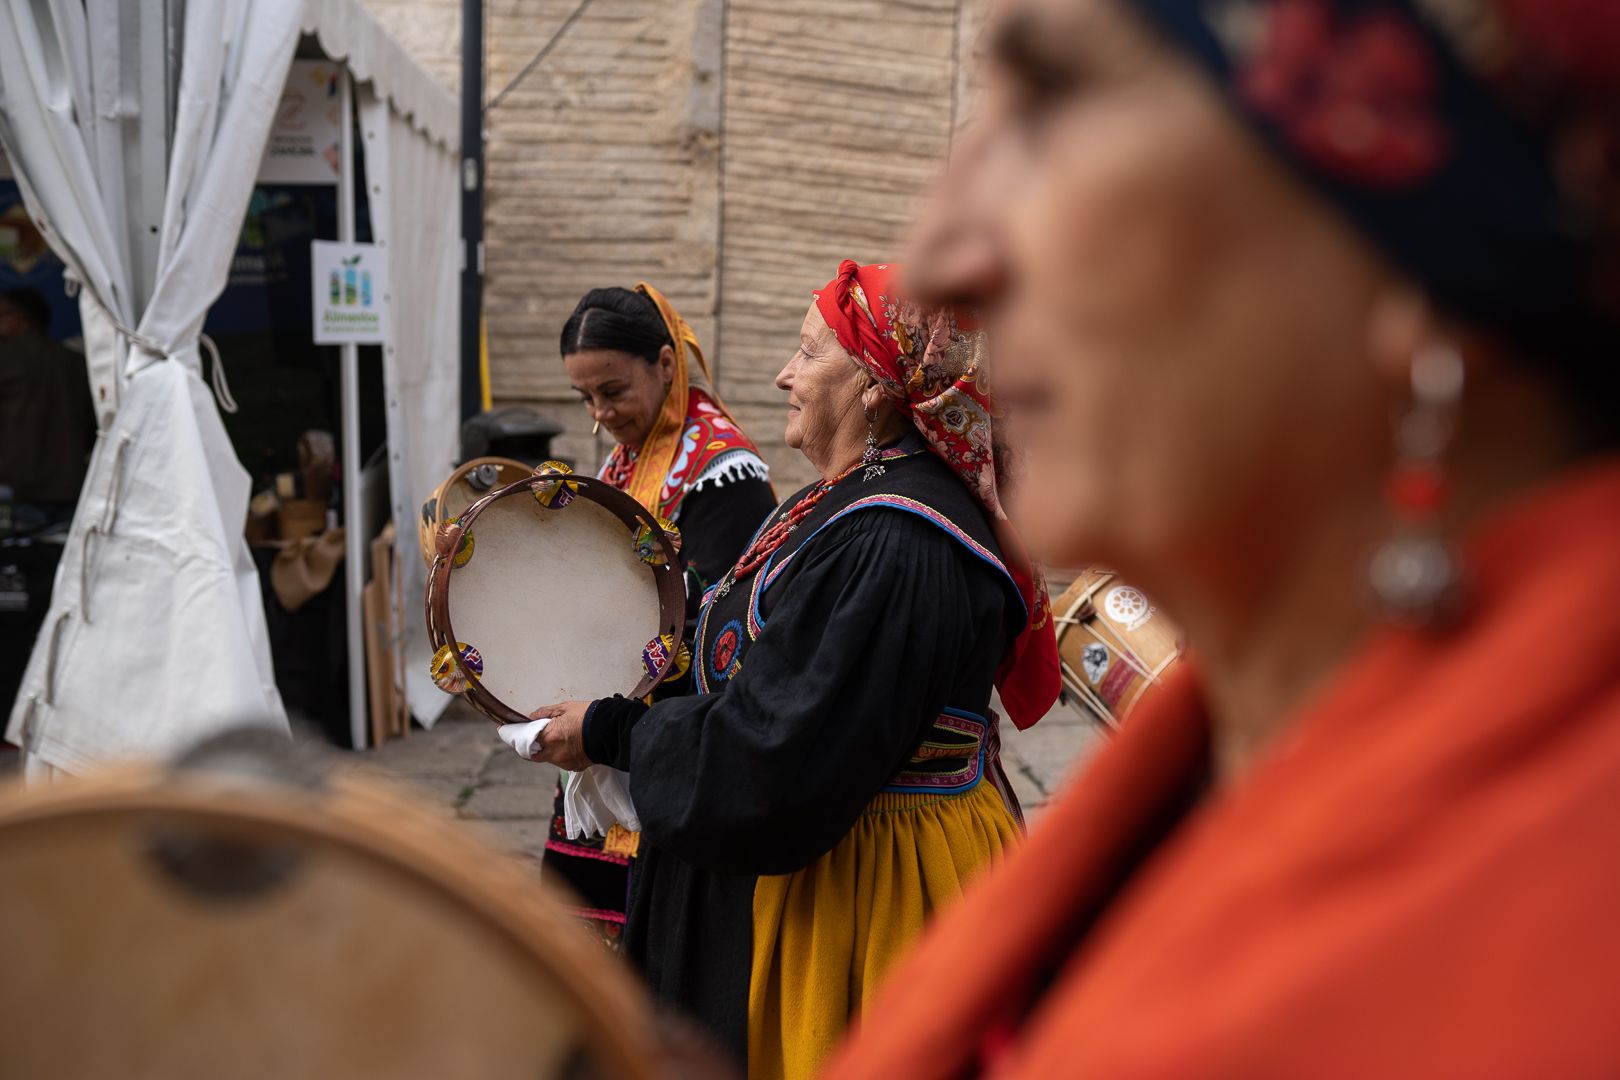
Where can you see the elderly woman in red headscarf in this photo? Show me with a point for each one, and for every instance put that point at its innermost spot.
(836, 778)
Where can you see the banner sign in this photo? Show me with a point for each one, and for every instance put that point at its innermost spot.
(351, 292)
(303, 143)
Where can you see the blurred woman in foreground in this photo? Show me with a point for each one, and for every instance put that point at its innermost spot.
(1299, 304)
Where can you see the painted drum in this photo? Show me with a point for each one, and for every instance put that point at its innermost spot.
(1113, 644)
(259, 929)
(558, 587)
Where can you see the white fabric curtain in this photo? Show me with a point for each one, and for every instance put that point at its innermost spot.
(415, 216)
(156, 633)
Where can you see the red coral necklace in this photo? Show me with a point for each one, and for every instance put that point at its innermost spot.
(765, 545)
(621, 467)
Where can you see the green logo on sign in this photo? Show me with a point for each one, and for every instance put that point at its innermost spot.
(350, 286)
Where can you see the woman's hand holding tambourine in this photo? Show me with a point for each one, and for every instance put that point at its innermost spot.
(555, 734)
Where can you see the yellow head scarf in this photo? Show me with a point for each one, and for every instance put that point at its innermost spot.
(663, 442)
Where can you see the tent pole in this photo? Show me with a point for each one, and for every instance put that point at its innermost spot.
(354, 545)
(151, 149)
(472, 203)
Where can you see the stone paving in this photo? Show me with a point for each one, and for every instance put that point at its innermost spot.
(1039, 761)
(462, 766)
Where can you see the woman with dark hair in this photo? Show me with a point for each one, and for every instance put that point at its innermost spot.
(1307, 314)
(681, 455)
(678, 450)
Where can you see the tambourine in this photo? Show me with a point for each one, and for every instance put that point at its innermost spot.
(272, 926)
(1113, 643)
(555, 588)
(469, 483)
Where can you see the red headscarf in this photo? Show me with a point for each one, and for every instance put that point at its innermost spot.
(926, 360)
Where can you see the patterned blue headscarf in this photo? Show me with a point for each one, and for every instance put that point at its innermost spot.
(1476, 142)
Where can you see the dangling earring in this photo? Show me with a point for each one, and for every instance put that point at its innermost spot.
(1416, 575)
(871, 458)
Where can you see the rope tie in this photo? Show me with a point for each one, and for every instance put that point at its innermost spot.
(221, 387)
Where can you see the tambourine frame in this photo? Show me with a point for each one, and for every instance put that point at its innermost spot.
(379, 826)
(634, 516)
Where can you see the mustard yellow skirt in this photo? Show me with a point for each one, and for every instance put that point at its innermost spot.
(824, 935)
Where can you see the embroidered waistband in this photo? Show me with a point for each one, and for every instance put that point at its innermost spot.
(949, 760)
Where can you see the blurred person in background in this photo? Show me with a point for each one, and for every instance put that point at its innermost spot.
(47, 421)
(1307, 314)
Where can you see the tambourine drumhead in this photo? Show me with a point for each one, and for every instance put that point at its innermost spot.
(158, 928)
(1113, 644)
(555, 588)
(460, 490)
(556, 601)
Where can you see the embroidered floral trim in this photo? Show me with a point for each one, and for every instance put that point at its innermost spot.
(901, 502)
(956, 734)
(586, 853)
(708, 439)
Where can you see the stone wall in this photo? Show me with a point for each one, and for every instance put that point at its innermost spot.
(729, 151)
(430, 30)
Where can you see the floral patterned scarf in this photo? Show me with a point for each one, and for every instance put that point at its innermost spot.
(927, 361)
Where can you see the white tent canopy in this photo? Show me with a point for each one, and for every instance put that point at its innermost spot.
(156, 635)
(347, 32)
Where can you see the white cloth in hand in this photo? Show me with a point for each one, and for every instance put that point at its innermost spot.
(522, 738)
(594, 799)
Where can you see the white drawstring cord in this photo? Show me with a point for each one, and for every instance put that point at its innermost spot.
(222, 389)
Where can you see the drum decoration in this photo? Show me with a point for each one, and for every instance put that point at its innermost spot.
(1112, 643)
(671, 530)
(659, 655)
(557, 494)
(576, 592)
(648, 550)
(464, 551)
(453, 677)
(245, 875)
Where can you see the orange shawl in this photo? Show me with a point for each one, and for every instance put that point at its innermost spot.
(1419, 879)
(663, 442)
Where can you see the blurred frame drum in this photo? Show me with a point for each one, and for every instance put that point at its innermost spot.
(209, 925)
(557, 587)
(1113, 645)
(470, 482)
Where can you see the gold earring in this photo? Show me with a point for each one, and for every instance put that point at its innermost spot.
(596, 427)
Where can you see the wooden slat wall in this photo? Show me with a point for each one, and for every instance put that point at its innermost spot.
(730, 151)
(603, 169)
(835, 116)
